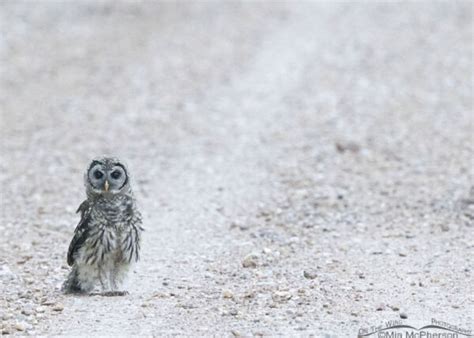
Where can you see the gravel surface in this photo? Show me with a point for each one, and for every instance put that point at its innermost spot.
(302, 168)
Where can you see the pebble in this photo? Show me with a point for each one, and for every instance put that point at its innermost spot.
(241, 226)
(6, 273)
(188, 306)
(281, 296)
(403, 315)
(159, 295)
(250, 261)
(20, 327)
(27, 311)
(227, 294)
(350, 146)
(235, 333)
(58, 307)
(48, 302)
(309, 274)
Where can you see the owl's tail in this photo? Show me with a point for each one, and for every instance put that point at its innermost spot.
(72, 284)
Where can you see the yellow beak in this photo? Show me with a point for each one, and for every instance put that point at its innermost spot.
(106, 186)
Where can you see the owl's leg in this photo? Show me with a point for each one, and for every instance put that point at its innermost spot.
(117, 277)
(114, 283)
(108, 281)
(104, 279)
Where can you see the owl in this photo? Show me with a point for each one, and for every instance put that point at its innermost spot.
(106, 241)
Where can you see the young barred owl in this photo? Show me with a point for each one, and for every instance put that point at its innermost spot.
(107, 239)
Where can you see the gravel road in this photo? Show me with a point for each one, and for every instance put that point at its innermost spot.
(302, 168)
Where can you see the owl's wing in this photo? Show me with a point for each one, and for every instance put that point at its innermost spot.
(83, 208)
(81, 232)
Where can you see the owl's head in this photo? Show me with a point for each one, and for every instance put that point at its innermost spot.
(107, 176)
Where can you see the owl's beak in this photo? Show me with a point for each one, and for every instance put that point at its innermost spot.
(106, 186)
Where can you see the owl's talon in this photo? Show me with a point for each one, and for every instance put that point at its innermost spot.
(114, 293)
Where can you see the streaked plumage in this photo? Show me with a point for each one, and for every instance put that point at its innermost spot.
(107, 239)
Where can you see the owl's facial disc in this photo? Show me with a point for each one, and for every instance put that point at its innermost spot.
(107, 177)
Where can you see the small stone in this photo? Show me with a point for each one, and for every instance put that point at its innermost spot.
(395, 308)
(227, 294)
(40, 309)
(309, 274)
(444, 228)
(403, 315)
(58, 307)
(235, 333)
(48, 302)
(343, 146)
(250, 261)
(241, 226)
(249, 294)
(281, 296)
(159, 295)
(29, 281)
(20, 327)
(402, 254)
(27, 311)
(188, 306)
(233, 312)
(380, 307)
(6, 273)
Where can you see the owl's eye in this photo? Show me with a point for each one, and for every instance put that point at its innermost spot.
(98, 174)
(116, 174)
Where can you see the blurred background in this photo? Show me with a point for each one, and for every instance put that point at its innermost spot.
(302, 167)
